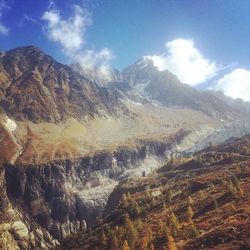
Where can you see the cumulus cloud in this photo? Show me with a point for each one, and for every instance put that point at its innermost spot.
(235, 84)
(88, 58)
(185, 61)
(70, 34)
(98, 62)
(3, 6)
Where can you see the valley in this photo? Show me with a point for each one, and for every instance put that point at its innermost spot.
(71, 146)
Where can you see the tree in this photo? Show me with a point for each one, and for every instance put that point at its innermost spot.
(103, 238)
(216, 208)
(190, 213)
(241, 192)
(114, 243)
(128, 196)
(135, 207)
(235, 181)
(201, 195)
(173, 221)
(124, 200)
(144, 243)
(190, 200)
(171, 243)
(194, 232)
(125, 246)
(169, 195)
(151, 247)
(131, 232)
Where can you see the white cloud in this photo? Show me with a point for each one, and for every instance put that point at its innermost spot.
(70, 34)
(185, 61)
(98, 62)
(3, 30)
(3, 6)
(235, 84)
(88, 58)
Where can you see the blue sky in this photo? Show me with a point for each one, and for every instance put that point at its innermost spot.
(215, 34)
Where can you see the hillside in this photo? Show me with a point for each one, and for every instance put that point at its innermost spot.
(66, 142)
(33, 86)
(197, 202)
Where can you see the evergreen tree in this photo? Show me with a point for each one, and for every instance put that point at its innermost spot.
(216, 208)
(124, 200)
(169, 195)
(241, 192)
(114, 243)
(194, 232)
(173, 222)
(171, 243)
(190, 200)
(190, 213)
(131, 232)
(151, 246)
(135, 207)
(103, 238)
(235, 181)
(125, 246)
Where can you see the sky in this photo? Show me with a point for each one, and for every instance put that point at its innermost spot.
(206, 43)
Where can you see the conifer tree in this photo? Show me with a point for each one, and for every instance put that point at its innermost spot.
(194, 232)
(169, 195)
(131, 232)
(103, 238)
(241, 192)
(170, 242)
(174, 223)
(190, 200)
(135, 207)
(144, 242)
(114, 243)
(151, 246)
(128, 196)
(124, 200)
(125, 246)
(216, 208)
(235, 181)
(190, 213)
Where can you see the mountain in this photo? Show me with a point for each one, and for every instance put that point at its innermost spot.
(66, 142)
(35, 87)
(197, 202)
(163, 87)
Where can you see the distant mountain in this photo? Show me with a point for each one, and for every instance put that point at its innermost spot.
(166, 89)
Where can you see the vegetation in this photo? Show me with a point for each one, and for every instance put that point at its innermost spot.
(177, 211)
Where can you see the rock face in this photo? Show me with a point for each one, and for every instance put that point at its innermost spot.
(17, 229)
(35, 87)
(63, 195)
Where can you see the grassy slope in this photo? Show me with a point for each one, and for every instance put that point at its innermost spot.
(214, 183)
(45, 142)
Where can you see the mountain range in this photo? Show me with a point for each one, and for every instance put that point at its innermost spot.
(68, 137)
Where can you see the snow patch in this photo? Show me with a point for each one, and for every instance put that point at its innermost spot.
(10, 124)
(135, 103)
